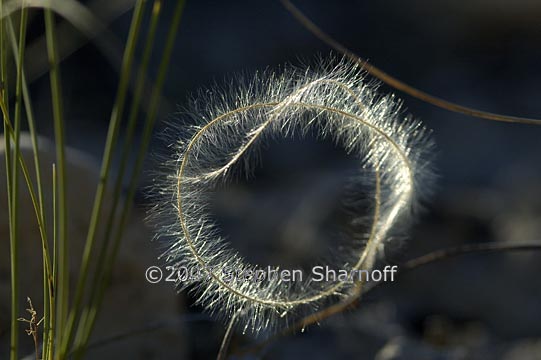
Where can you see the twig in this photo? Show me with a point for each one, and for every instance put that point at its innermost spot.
(466, 249)
(224, 347)
(33, 325)
(394, 82)
(354, 300)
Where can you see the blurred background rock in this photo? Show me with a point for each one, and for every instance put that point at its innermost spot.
(130, 303)
(483, 54)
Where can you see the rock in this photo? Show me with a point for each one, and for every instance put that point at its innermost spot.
(130, 303)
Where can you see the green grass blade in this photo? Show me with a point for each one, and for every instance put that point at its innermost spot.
(62, 288)
(30, 117)
(147, 133)
(48, 275)
(112, 136)
(86, 325)
(12, 196)
(45, 284)
(87, 319)
(14, 225)
(12, 241)
(52, 295)
(28, 181)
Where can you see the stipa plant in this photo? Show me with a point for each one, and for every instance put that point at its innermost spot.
(332, 100)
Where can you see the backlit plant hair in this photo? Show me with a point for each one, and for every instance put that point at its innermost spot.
(332, 100)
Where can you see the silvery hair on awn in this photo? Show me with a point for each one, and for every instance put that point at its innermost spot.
(331, 99)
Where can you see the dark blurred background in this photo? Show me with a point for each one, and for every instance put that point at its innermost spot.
(479, 53)
(483, 54)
